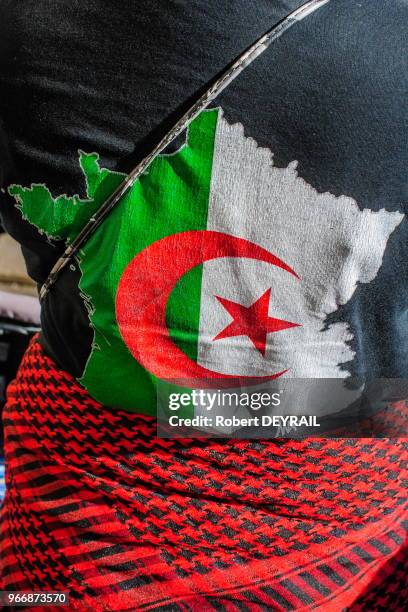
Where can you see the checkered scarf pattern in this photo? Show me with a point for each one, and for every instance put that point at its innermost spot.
(98, 506)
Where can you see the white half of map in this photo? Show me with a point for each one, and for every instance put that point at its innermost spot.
(328, 241)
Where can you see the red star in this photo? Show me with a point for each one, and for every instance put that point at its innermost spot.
(252, 321)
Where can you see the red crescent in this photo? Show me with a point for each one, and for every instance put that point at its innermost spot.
(146, 285)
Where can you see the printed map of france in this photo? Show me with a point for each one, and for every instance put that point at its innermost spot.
(235, 314)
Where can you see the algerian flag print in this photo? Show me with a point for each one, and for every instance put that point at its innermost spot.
(216, 262)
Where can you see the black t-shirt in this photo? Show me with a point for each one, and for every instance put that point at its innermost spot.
(112, 77)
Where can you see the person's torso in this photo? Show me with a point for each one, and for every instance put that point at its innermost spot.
(269, 238)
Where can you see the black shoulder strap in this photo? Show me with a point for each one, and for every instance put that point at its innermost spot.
(229, 75)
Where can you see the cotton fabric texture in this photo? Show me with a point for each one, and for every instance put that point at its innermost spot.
(98, 506)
